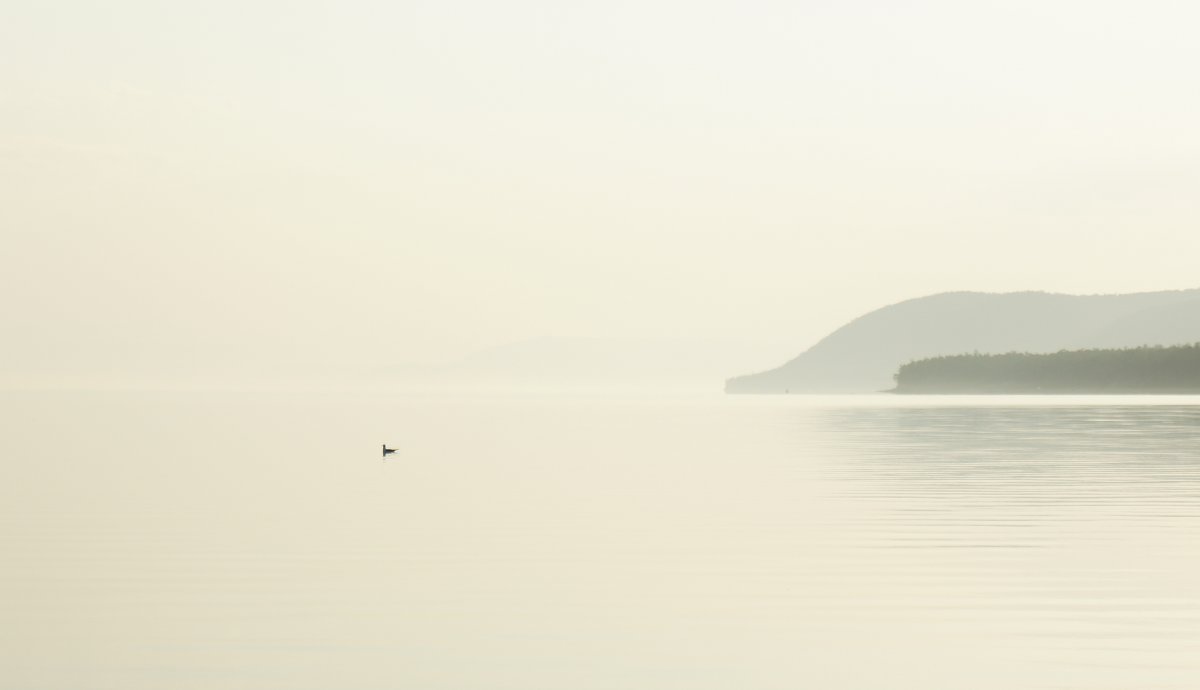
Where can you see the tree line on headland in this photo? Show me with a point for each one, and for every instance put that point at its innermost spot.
(862, 355)
(1146, 369)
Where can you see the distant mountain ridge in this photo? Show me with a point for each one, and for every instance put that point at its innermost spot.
(862, 355)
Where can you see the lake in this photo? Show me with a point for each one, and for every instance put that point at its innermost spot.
(598, 542)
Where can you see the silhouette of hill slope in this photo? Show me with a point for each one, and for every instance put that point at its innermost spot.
(863, 355)
(581, 362)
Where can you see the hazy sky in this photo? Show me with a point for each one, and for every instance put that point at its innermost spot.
(250, 185)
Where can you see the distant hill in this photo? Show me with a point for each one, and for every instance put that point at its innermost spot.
(1174, 369)
(862, 355)
(591, 363)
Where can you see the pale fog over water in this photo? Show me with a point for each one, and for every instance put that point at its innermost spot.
(540, 542)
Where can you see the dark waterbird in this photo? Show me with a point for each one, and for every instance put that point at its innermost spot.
(387, 451)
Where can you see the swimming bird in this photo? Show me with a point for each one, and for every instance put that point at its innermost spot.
(387, 450)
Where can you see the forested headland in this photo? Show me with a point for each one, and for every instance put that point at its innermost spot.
(863, 354)
(1157, 369)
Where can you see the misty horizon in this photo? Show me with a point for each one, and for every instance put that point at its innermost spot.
(346, 185)
(534, 345)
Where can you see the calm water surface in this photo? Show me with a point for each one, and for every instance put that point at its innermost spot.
(257, 541)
